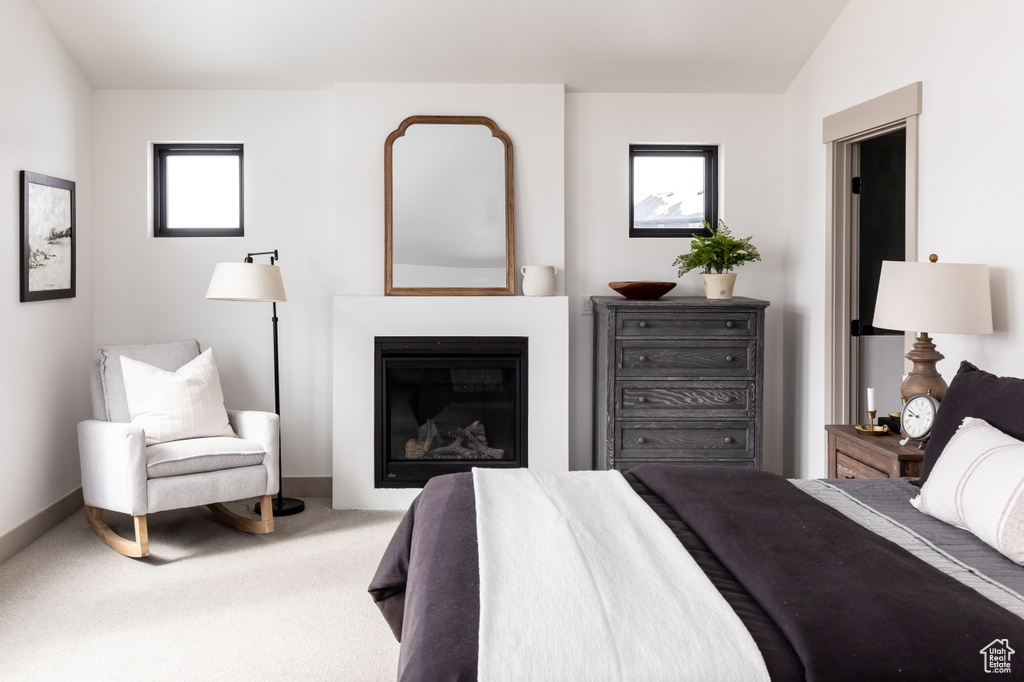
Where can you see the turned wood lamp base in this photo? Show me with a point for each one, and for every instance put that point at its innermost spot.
(924, 377)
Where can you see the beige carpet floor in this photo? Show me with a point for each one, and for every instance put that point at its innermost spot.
(210, 603)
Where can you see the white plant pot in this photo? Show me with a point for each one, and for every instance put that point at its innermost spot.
(719, 286)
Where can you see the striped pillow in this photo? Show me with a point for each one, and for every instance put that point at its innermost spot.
(170, 406)
(978, 484)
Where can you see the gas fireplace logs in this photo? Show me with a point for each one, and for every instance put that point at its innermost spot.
(444, 441)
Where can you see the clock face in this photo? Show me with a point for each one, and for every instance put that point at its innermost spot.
(918, 416)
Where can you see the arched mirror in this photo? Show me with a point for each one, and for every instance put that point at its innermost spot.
(448, 208)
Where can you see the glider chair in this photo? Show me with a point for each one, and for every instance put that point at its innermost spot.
(161, 439)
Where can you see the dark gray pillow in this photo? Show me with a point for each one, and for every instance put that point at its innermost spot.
(976, 393)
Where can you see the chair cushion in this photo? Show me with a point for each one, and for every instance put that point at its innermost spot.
(169, 355)
(187, 403)
(198, 455)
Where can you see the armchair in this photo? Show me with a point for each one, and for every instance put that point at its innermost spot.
(120, 473)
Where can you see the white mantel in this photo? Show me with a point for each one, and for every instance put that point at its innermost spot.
(359, 319)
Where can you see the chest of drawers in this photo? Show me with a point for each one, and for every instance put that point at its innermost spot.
(678, 380)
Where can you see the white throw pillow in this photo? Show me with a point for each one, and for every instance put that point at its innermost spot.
(977, 484)
(187, 403)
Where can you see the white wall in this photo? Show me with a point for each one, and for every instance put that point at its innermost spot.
(153, 289)
(969, 61)
(599, 130)
(45, 127)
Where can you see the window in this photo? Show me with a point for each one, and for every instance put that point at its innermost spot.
(197, 190)
(673, 190)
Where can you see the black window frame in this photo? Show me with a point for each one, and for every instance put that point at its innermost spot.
(160, 153)
(710, 155)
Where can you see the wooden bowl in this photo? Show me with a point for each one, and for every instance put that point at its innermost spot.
(644, 291)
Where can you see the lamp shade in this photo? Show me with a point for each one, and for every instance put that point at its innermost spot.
(246, 282)
(945, 298)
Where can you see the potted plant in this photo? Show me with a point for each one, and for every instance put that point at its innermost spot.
(716, 256)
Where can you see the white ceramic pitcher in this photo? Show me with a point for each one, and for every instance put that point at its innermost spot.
(539, 280)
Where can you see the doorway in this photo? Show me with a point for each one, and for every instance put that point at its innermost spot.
(879, 231)
(865, 142)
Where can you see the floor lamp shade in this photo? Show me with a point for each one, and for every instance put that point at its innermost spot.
(947, 298)
(246, 282)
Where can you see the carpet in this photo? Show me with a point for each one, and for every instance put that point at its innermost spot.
(210, 603)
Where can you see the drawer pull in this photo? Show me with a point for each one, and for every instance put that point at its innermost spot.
(729, 324)
(641, 440)
(641, 399)
(728, 439)
(643, 324)
(729, 358)
(642, 358)
(729, 399)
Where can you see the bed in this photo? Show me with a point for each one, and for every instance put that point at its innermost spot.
(832, 579)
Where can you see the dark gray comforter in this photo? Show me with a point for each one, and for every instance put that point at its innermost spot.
(823, 598)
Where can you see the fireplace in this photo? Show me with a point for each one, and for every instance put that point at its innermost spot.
(447, 404)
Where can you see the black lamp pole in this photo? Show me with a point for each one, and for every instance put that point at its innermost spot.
(282, 506)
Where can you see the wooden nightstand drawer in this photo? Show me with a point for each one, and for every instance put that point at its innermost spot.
(686, 325)
(685, 358)
(684, 399)
(852, 455)
(847, 467)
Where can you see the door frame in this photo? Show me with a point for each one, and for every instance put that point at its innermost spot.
(840, 132)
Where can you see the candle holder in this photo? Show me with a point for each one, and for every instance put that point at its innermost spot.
(870, 429)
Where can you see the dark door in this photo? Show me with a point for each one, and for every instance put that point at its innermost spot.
(881, 188)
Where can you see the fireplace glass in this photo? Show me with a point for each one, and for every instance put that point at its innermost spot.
(447, 404)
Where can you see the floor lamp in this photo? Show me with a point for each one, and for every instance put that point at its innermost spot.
(248, 281)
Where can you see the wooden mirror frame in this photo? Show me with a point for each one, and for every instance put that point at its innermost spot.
(510, 269)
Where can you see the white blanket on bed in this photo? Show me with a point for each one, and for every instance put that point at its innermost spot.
(580, 580)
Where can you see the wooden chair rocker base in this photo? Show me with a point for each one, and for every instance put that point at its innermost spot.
(139, 547)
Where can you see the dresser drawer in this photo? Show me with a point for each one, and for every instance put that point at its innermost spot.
(682, 441)
(685, 358)
(653, 324)
(684, 399)
(626, 465)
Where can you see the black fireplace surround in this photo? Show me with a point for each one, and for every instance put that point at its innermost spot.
(446, 404)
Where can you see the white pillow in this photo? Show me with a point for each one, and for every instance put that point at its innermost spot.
(977, 484)
(170, 406)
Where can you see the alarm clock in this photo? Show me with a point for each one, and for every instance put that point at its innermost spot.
(918, 416)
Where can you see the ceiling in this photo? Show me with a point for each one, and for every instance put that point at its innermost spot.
(741, 46)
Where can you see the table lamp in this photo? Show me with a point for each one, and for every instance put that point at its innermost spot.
(249, 281)
(948, 298)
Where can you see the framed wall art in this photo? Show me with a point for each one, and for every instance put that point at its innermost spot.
(47, 237)
(673, 190)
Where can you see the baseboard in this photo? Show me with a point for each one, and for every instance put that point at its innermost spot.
(23, 535)
(20, 537)
(308, 486)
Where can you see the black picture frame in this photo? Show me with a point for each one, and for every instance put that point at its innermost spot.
(660, 217)
(48, 235)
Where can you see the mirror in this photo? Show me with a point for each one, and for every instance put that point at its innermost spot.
(448, 208)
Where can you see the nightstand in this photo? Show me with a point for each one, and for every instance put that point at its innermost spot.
(851, 455)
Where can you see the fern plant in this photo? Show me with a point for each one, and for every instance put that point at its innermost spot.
(719, 253)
